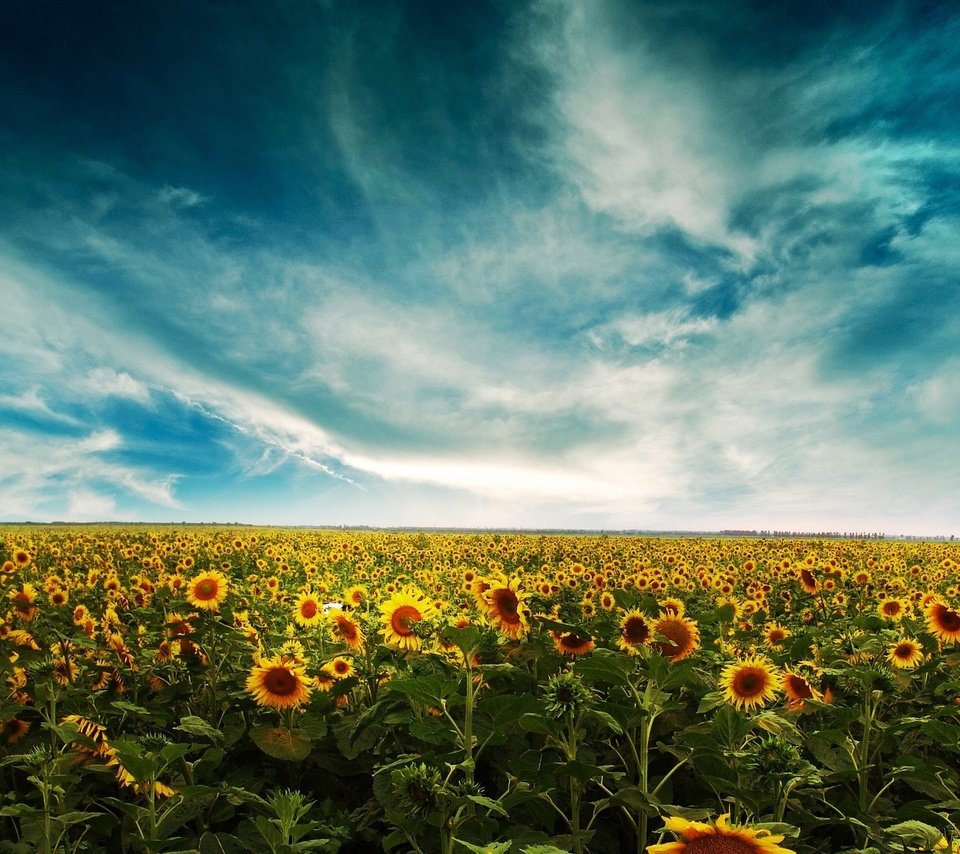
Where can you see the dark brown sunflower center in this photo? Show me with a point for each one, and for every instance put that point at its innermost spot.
(904, 651)
(403, 619)
(347, 629)
(280, 682)
(206, 589)
(948, 619)
(506, 603)
(891, 609)
(719, 845)
(635, 630)
(308, 610)
(799, 687)
(749, 683)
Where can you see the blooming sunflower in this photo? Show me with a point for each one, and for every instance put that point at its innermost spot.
(893, 609)
(400, 613)
(278, 683)
(634, 632)
(346, 630)
(682, 636)
(506, 610)
(808, 581)
(572, 644)
(944, 622)
(208, 590)
(749, 683)
(307, 611)
(339, 668)
(696, 837)
(905, 654)
(798, 689)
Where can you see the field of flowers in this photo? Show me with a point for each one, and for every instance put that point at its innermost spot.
(268, 690)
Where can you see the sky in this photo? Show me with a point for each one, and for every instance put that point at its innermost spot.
(678, 265)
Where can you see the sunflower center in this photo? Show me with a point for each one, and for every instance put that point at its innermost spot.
(635, 630)
(206, 589)
(719, 845)
(280, 682)
(308, 609)
(749, 683)
(347, 629)
(891, 608)
(903, 650)
(506, 603)
(403, 619)
(948, 619)
(799, 687)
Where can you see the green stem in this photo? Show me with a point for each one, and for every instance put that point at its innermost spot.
(468, 719)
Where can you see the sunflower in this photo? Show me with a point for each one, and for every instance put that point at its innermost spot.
(749, 683)
(775, 634)
(682, 637)
(700, 838)
(346, 630)
(572, 644)
(355, 596)
(207, 590)
(506, 610)
(14, 729)
(307, 611)
(905, 654)
(339, 668)
(634, 632)
(893, 609)
(400, 614)
(808, 581)
(798, 689)
(278, 683)
(944, 622)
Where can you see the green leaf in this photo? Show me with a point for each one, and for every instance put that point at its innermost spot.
(198, 726)
(504, 710)
(607, 720)
(537, 723)
(125, 706)
(710, 701)
(489, 848)
(915, 832)
(608, 668)
(488, 803)
(429, 690)
(282, 743)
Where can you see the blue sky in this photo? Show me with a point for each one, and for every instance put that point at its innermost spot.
(668, 265)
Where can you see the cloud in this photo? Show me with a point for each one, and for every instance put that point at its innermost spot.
(106, 382)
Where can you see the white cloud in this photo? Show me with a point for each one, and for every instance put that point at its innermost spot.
(107, 382)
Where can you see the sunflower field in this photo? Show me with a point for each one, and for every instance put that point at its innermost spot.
(224, 689)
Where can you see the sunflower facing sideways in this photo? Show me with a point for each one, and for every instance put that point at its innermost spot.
(505, 608)
(681, 636)
(345, 629)
(696, 837)
(943, 622)
(278, 683)
(400, 613)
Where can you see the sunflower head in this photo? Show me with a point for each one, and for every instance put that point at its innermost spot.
(749, 683)
(278, 683)
(695, 837)
(566, 694)
(418, 788)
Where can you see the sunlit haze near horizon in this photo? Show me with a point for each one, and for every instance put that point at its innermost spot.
(607, 265)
